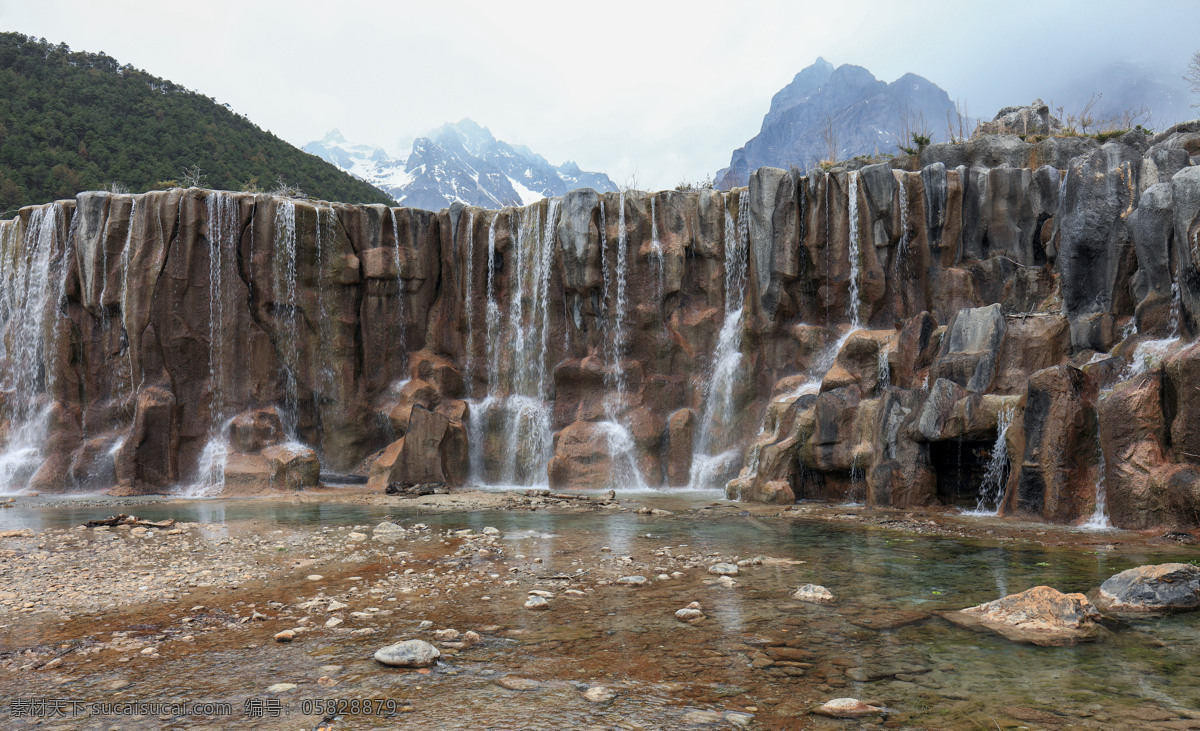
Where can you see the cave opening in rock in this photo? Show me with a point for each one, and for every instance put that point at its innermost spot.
(960, 466)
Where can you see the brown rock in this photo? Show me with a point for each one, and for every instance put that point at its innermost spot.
(681, 428)
(250, 431)
(293, 466)
(379, 263)
(1039, 616)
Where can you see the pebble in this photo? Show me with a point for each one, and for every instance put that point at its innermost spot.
(723, 569)
(281, 687)
(333, 622)
(690, 613)
(632, 580)
(536, 602)
(599, 694)
(514, 683)
(314, 577)
(285, 636)
(814, 594)
(408, 654)
(848, 708)
(335, 606)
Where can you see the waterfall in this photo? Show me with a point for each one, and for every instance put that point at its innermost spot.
(1099, 520)
(223, 236)
(515, 408)
(991, 492)
(656, 255)
(469, 307)
(621, 449)
(478, 409)
(852, 205)
(126, 253)
(902, 247)
(32, 283)
(326, 235)
(885, 370)
(403, 325)
(287, 311)
(727, 356)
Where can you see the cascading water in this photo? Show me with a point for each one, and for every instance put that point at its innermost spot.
(902, 247)
(885, 370)
(727, 358)
(469, 307)
(621, 452)
(852, 206)
(1099, 520)
(992, 489)
(400, 315)
(516, 405)
(223, 236)
(480, 408)
(31, 290)
(126, 253)
(656, 255)
(287, 312)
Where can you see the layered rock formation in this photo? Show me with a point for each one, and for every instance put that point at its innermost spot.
(972, 336)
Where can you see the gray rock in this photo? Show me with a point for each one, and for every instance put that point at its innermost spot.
(814, 594)
(632, 580)
(1093, 242)
(536, 602)
(723, 569)
(408, 654)
(1168, 587)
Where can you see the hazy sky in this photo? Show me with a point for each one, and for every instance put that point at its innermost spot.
(650, 92)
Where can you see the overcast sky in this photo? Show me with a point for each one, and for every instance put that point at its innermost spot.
(649, 92)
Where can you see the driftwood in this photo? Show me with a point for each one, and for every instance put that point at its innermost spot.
(607, 497)
(416, 490)
(124, 519)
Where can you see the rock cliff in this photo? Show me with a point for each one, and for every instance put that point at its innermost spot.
(999, 338)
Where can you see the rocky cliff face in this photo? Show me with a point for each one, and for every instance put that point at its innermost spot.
(1005, 338)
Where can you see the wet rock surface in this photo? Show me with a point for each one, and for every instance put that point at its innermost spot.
(1170, 587)
(1039, 616)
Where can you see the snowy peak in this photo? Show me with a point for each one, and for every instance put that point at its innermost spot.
(460, 162)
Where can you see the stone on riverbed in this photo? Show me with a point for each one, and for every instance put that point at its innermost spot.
(848, 708)
(408, 654)
(632, 580)
(723, 569)
(1167, 587)
(599, 694)
(536, 602)
(690, 613)
(814, 594)
(1040, 616)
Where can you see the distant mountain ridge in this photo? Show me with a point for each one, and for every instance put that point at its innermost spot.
(867, 116)
(73, 121)
(460, 162)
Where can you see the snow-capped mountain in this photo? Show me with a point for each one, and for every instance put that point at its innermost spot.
(458, 162)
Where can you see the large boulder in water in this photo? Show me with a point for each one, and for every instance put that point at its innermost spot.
(1168, 587)
(408, 654)
(251, 431)
(1039, 616)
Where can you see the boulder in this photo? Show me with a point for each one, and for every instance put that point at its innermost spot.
(1168, 587)
(814, 594)
(293, 466)
(848, 708)
(408, 654)
(1039, 616)
(252, 430)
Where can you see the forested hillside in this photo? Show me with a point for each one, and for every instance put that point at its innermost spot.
(72, 121)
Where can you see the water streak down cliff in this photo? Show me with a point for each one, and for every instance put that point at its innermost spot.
(285, 331)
